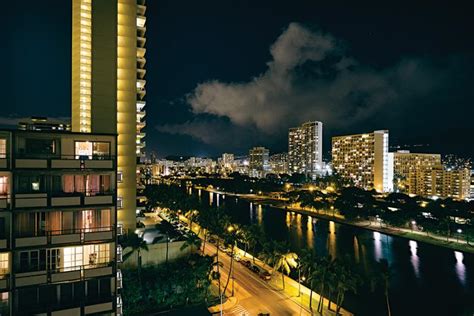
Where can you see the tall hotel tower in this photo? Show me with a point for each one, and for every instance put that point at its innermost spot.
(363, 159)
(108, 86)
(305, 148)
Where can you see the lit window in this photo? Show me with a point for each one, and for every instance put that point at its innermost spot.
(3, 148)
(4, 264)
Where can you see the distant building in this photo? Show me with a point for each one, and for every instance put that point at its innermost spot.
(226, 163)
(363, 159)
(279, 163)
(406, 166)
(40, 123)
(259, 162)
(443, 183)
(472, 185)
(305, 148)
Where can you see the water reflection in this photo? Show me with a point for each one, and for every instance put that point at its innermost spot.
(309, 232)
(377, 246)
(332, 239)
(356, 250)
(259, 214)
(415, 261)
(460, 267)
(288, 220)
(211, 198)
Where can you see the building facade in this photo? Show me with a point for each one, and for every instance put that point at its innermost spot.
(363, 160)
(305, 148)
(279, 163)
(58, 227)
(441, 182)
(108, 84)
(406, 166)
(259, 162)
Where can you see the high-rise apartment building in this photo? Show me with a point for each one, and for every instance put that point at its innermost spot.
(305, 148)
(363, 159)
(438, 181)
(226, 163)
(58, 224)
(108, 84)
(279, 163)
(258, 162)
(406, 166)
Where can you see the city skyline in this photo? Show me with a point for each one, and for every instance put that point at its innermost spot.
(184, 122)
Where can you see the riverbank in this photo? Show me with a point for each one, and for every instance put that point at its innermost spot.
(436, 240)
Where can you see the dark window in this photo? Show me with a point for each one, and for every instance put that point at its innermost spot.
(47, 294)
(105, 288)
(66, 295)
(40, 147)
(31, 184)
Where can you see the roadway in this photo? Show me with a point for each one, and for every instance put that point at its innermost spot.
(253, 294)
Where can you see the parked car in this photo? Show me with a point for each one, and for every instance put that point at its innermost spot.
(265, 275)
(212, 240)
(237, 257)
(255, 268)
(246, 262)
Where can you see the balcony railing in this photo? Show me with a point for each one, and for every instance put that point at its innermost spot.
(53, 270)
(119, 306)
(119, 279)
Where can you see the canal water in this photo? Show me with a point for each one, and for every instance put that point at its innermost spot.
(425, 279)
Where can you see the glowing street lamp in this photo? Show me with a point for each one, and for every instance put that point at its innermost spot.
(459, 231)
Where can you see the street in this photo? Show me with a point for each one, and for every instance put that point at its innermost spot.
(253, 295)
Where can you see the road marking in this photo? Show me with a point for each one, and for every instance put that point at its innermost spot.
(237, 310)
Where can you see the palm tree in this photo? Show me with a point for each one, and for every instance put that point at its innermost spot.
(230, 239)
(281, 258)
(347, 280)
(192, 241)
(255, 236)
(308, 266)
(136, 244)
(384, 269)
(323, 268)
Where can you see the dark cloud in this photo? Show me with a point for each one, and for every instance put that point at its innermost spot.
(311, 77)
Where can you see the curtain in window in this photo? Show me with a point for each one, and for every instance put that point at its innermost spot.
(105, 183)
(53, 222)
(93, 184)
(105, 218)
(68, 183)
(79, 183)
(3, 186)
(25, 224)
(68, 222)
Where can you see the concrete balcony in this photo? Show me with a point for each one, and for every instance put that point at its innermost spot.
(98, 308)
(99, 164)
(31, 278)
(65, 239)
(31, 163)
(98, 236)
(67, 312)
(65, 164)
(3, 203)
(66, 276)
(31, 200)
(97, 272)
(31, 241)
(66, 201)
(98, 199)
(4, 283)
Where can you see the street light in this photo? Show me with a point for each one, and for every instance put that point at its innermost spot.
(413, 223)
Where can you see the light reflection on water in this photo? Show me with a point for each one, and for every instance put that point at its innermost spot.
(415, 261)
(460, 267)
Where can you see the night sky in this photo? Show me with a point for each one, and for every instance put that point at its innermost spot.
(228, 75)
